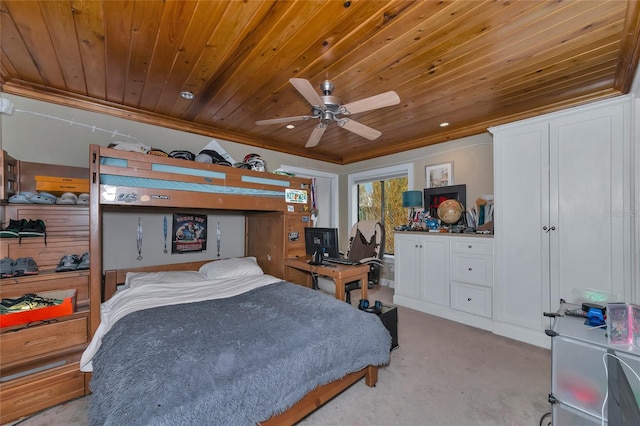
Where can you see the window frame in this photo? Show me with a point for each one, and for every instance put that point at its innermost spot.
(382, 173)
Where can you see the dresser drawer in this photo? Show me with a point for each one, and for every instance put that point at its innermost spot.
(472, 245)
(25, 396)
(48, 281)
(60, 221)
(48, 255)
(469, 298)
(30, 342)
(472, 269)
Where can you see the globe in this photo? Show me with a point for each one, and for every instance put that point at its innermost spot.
(450, 211)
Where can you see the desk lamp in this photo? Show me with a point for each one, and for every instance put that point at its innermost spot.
(412, 199)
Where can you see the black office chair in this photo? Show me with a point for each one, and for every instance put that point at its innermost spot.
(366, 246)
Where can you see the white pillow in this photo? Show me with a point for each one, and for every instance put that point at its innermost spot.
(136, 279)
(233, 267)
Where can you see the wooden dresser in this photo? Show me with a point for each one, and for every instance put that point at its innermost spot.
(39, 363)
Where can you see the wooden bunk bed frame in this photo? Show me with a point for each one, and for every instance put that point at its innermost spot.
(141, 166)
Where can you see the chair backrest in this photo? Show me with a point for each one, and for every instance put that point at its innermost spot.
(366, 240)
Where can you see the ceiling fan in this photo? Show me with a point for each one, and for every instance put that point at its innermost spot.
(328, 108)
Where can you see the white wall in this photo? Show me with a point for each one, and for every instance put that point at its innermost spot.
(120, 238)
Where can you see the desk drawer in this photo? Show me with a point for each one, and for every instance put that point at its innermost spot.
(30, 342)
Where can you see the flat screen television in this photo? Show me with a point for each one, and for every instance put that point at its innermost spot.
(434, 196)
(321, 240)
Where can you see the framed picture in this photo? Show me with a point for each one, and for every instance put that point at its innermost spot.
(189, 233)
(439, 175)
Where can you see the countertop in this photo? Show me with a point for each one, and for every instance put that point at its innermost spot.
(448, 234)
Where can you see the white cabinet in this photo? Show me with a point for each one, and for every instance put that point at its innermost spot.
(448, 275)
(561, 190)
(422, 269)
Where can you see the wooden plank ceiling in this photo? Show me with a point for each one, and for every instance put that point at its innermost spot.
(472, 64)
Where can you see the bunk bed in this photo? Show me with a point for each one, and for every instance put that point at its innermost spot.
(122, 179)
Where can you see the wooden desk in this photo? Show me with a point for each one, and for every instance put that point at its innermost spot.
(342, 274)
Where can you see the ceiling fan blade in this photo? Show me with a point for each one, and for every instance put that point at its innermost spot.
(317, 133)
(306, 89)
(283, 120)
(378, 101)
(359, 129)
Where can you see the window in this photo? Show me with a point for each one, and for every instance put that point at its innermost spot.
(377, 195)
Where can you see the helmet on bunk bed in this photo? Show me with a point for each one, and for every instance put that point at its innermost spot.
(185, 155)
(254, 162)
(211, 157)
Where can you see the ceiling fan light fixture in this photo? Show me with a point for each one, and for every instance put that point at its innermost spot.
(328, 108)
(187, 95)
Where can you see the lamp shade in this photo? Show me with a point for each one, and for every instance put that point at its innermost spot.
(412, 199)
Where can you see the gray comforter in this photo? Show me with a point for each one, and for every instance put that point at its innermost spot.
(229, 361)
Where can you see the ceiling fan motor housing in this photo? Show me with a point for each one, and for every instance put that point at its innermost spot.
(332, 108)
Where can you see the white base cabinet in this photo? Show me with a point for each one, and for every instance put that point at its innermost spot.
(449, 275)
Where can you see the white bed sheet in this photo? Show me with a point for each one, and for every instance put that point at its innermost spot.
(135, 299)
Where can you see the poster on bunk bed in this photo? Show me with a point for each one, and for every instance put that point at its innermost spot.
(189, 233)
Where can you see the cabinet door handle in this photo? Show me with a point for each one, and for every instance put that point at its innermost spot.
(469, 246)
(468, 299)
(471, 269)
(547, 230)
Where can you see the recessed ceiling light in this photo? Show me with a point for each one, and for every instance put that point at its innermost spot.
(445, 124)
(290, 126)
(187, 95)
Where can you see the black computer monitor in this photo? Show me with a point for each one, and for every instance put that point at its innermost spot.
(623, 408)
(321, 240)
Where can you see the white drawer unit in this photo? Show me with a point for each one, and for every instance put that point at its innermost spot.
(472, 275)
(586, 371)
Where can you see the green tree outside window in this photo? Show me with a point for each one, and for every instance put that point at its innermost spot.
(382, 201)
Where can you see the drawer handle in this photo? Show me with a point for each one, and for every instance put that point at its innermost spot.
(56, 220)
(469, 246)
(40, 341)
(471, 269)
(468, 299)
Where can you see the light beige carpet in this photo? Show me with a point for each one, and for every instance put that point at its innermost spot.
(443, 373)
